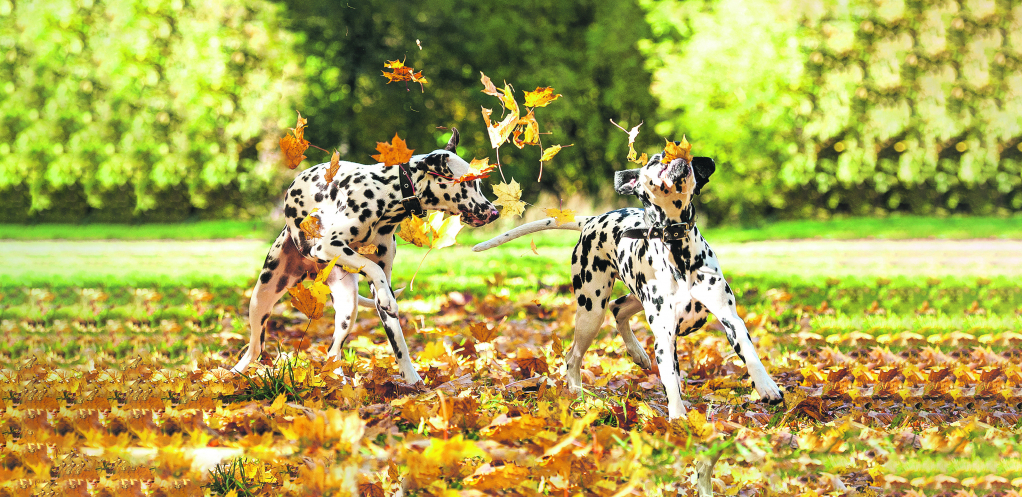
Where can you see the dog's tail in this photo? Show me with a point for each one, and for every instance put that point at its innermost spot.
(525, 229)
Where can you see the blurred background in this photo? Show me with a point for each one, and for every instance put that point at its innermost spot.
(129, 111)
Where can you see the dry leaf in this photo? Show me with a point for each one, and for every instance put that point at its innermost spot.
(509, 197)
(393, 153)
(477, 169)
(541, 97)
(682, 150)
(311, 226)
(335, 165)
(562, 216)
(550, 152)
(294, 145)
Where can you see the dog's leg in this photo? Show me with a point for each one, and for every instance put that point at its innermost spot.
(344, 291)
(386, 248)
(713, 291)
(704, 474)
(591, 299)
(663, 323)
(273, 281)
(623, 308)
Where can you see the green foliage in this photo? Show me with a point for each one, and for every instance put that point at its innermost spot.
(129, 105)
(845, 107)
(586, 50)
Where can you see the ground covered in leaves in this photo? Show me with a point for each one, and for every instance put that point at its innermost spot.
(908, 388)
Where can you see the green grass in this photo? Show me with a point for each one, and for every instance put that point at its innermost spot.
(198, 230)
(892, 228)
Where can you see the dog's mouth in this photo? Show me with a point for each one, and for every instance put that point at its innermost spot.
(672, 172)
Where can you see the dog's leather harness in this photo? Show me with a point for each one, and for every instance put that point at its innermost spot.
(408, 197)
(669, 233)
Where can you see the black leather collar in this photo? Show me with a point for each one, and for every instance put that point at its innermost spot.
(408, 197)
(669, 233)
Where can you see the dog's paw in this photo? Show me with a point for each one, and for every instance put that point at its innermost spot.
(769, 390)
(640, 358)
(386, 304)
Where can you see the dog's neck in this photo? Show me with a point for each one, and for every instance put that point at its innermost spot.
(675, 212)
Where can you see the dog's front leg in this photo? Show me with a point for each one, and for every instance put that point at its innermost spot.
(663, 324)
(713, 291)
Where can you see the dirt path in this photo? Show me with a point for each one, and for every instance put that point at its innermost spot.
(242, 258)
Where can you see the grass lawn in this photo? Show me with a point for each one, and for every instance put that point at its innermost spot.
(892, 228)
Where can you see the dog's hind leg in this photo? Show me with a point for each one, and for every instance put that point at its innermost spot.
(283, 265)
(344, 291)
(623, 308)
(592, 300)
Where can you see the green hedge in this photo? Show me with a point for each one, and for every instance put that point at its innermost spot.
(855, 107)
(141, 110)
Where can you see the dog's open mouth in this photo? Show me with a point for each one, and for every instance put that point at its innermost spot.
(671, 172)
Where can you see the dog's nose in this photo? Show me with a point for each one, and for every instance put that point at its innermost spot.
(494, 214)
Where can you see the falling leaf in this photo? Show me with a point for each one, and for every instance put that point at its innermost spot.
(632, 134)
(533, 244)
(550, 152)
(541, 97)
(500, 131)
(414, 230)
(509, 197)
(367, 249)
(562, 216)
(528, 128)
(477, 169)
(335, 165)
(444, 231)
(488, 86)
(401, 72)
(393, 153)
(482, 332)
(507, 99)
(294, 145)
(681, 150)
(311, 299)
(311, 226)
(371, 489)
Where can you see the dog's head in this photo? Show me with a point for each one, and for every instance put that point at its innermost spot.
(669, 187)
(443, 193)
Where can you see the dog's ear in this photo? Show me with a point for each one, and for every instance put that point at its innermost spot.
(452, 145)
(702, 167)
(625, 181)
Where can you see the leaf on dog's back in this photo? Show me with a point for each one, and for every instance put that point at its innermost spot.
(311, 226)
(393, 153)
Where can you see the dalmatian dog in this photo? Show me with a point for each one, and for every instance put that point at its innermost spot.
(363, 205)
(665, 262)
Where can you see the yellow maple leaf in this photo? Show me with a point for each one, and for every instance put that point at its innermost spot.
(482, 332)
(393, 153)
(509, 197)
(550, 152)
(562, 216)
(541, 97)
(414, 230)
(682, 150)
(443, 231)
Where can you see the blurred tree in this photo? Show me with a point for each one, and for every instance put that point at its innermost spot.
(864, 107)
(124, 106)
(586, 50)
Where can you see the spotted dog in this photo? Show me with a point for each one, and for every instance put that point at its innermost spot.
(662, 258)
(363, 205)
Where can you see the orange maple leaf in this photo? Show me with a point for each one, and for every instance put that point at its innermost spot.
(477, 169)
(335, 165)
(311, 226)
(682, 150)
(403, 73)
(294, 145)
(393, 153)
(483, 333)
(541, 97)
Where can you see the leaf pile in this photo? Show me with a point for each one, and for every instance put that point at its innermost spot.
(123, 391)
